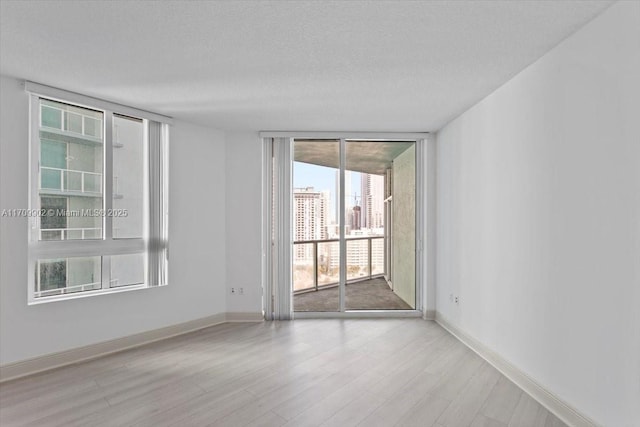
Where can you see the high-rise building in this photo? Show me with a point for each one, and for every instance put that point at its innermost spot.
(356, 218)
(372, 187)
(310, 219)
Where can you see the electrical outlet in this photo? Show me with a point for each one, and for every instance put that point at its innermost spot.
(457, 300)
(241, 291)
(233, 291)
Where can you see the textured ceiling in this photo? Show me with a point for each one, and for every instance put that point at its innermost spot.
(373, 157)
(319, 65)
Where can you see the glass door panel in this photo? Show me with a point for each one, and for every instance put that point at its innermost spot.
(380, 183)
(316, 249)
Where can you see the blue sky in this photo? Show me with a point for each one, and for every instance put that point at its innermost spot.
(320, 178)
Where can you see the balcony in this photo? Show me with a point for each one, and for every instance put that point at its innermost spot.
(316, 276)
(316, 262)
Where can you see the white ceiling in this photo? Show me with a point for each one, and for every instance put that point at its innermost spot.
(319, 65)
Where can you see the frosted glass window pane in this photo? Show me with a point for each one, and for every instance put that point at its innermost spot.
(127, 270)
(128, 177)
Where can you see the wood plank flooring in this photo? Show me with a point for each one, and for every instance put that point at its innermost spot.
(356, 372)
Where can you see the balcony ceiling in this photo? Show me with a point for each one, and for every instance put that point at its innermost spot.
(373, 157)
(278, 65)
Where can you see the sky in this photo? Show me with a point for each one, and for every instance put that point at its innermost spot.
(321, 178)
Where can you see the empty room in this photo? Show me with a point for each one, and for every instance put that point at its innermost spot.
(320, 213)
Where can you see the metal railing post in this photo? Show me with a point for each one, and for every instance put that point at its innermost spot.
(370, 269)
(315, 265)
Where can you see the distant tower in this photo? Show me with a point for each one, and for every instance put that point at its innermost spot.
(372, 187)
(356, 222)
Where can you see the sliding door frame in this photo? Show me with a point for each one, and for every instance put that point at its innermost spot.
(276, 211)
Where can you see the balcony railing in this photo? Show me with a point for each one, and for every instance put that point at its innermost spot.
(73, 289)
(70, 233)
(68, 289)
(70, 180)
(317, 262)
(70, 121)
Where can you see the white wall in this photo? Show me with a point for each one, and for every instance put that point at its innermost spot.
(539, 219)
(244, 221)
(197, 248)
(429, 206)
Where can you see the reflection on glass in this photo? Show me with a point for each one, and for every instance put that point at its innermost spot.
(71, 157)
(67, 275)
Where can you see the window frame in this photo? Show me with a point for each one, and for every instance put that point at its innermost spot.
(154, 240)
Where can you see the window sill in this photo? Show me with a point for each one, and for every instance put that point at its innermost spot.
(86, 294)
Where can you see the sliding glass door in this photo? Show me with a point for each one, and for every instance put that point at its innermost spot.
(353, 213)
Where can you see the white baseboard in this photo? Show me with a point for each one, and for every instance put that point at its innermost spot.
(429, 315)
(244, 317)
(546, 398)
(47, 362)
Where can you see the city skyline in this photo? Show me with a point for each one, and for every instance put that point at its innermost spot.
(364, 202)
(362, 189)
(322, 178)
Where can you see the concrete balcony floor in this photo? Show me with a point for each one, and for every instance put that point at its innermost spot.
(373, 294)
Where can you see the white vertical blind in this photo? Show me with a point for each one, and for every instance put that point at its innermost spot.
(157, 244)
(281, 277)
(267, 229)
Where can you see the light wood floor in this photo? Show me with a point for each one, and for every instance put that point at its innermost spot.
(379, 372)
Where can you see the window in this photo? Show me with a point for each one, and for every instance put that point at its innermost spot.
(98, 196)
